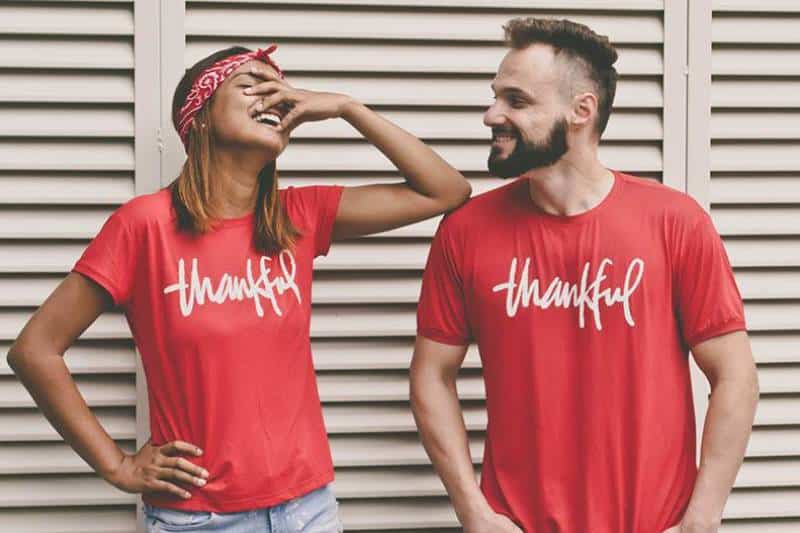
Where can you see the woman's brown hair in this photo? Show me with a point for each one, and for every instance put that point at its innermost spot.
(191, 190)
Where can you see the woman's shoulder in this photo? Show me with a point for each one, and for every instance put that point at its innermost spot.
(301, 192)
(146, 208)
(309, 197)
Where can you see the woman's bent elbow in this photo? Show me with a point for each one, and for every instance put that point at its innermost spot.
(458, 196)
(19, 356)
(14, 357)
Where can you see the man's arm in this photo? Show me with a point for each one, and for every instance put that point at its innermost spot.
(727, 361)
(434, 402)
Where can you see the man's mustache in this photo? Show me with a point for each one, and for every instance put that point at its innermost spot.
(504, 131)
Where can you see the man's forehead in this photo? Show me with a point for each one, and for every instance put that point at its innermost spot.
(528, 67)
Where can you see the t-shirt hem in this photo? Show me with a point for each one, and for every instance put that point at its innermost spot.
(438, 336)
(246, 504)
(99, 278)
(728, 326)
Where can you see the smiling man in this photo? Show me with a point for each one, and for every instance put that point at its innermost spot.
(585, 289)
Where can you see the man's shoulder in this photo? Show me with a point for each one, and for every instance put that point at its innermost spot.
(656, 197)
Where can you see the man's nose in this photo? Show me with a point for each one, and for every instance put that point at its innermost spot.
(493, 117)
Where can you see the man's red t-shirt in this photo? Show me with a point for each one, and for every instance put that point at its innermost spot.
(583, 324)
(223, 333)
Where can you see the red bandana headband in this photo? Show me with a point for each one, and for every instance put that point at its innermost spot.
(209, 81)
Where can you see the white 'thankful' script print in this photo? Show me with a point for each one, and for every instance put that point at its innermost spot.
(589, 293)
(266, 284)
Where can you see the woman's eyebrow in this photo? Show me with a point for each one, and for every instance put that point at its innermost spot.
(243, 74)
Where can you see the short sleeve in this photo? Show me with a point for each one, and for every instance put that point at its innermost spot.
(109, 260)
(320, 203)
(708, 300)
(441, 313)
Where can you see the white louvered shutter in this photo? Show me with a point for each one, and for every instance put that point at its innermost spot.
(66, 162)
(755, 202)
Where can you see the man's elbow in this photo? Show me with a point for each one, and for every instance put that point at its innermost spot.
(753, 386)
(422, 384)
(416, 391)
(743, 386)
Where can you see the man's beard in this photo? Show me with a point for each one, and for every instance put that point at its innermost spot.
(527, 157)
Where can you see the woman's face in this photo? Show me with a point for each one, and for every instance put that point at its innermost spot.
(234, 125)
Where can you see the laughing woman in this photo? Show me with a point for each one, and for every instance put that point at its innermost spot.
(214, 276)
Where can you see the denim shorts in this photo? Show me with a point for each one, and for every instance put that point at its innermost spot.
(315, 512)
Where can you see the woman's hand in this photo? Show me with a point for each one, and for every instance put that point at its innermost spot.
(295, 106)
(155, 469)
(432, 186)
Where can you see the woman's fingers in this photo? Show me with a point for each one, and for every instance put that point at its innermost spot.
(267, 87)
(186, 466)
(179, 468)
(292, 118)
(179, 447)
(264, 72)
(176, 474)
(269, 102)
(159, 485)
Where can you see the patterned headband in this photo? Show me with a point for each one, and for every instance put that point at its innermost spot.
(209, 81)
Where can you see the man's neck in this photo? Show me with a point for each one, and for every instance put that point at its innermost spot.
(569, 188)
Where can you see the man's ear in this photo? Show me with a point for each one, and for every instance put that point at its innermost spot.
(584, 109)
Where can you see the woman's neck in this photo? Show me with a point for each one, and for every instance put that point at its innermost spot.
(234, 185)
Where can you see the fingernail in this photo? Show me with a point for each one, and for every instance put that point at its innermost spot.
(200, 482)
(248, 90)
(199, 451)
(204, 473)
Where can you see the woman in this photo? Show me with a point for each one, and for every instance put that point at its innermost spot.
(214, 275)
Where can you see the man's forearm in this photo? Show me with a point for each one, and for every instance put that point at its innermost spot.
(728, 424)
(437, 411)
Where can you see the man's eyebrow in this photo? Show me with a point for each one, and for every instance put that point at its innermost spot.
(515, 91)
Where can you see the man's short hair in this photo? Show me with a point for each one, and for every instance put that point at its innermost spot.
(590, 55)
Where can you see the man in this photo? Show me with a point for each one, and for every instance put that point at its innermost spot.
(584, 289)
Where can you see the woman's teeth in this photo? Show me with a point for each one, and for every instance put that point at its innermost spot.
(269, 119)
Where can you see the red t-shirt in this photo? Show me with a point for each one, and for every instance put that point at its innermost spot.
(223, 333)
(583, 324)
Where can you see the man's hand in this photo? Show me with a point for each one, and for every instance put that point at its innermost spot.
(491, 523)
(694, 526)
